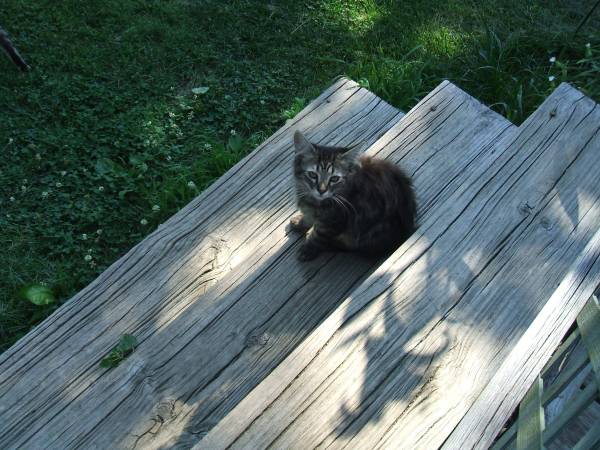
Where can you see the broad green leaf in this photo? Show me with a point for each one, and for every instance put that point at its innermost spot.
(38, 294)
(112, 360)
(235, 143)
(119, 352)
(123, 193)
(106, 167)
(200, 90)
(127, 343)
(103, 166)
(364, 83)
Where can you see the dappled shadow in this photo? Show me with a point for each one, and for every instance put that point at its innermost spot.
(229, 303)
(235, 262)
(375, 375)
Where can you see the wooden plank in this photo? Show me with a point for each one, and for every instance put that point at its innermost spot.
(567, 381)
(591, 440)
(563, 376)
(49, 377)
(202, 348)
(567, 402)
(531, 419)
(588, 322)
(578, 404)
(581, 433)
(419, 354)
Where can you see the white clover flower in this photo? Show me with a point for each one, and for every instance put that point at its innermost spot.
(588, 45)
(99, 231)
(10, 140)
(207, 146)
(58, 184)
(88, 258)
(552, 60)
(12, 199)
(551, 78)
(63, 173)
(84, 236)
(100, 188)
(232, 132)
(191, 184)
(171, 114)
(38, 156)
(262, 102)
(144, 222)
(45, 194)
(23, 188)
(156, 208)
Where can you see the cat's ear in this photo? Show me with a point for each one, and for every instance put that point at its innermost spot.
(352, 152)
(301, 144)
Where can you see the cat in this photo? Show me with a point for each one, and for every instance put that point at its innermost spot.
(349, 202)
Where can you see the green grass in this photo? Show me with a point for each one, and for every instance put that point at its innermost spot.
(105, 138)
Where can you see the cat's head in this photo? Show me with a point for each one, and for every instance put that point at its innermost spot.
(322, 172)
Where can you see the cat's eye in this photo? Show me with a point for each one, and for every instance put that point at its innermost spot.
(312, 175)
(334, 179)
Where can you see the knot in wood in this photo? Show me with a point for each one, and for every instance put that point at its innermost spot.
(165, 410)
(546, 223)
(525, 208)
(257, 339)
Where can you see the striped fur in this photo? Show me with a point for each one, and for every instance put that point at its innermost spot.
(349, 202)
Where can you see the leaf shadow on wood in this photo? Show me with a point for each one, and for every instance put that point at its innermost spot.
(198, 357)
(377, 373)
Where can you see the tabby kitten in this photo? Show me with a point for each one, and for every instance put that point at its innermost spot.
(349, 202)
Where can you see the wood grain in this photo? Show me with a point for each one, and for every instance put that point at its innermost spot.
(216, 296)
(50, 380)
(441, 342)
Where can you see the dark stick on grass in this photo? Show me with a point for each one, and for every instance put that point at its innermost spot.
(12, 52)
(585, 19)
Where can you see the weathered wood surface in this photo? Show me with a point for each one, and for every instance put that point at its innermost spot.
(51, 387)
(438, 346)
(205, 345)
(565, 377)
(585, 421)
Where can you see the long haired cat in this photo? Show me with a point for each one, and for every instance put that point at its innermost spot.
(349, 202)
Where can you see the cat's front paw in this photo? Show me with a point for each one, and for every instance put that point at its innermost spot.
(307, 252)
(297, 223)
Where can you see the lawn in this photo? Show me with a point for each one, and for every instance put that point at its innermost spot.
(133, 107)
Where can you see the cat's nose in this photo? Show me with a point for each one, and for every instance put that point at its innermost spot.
(322, 188)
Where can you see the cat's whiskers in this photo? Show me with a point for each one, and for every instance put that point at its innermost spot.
(374, 213)
(342, 205)
(303, 194)
(345, 201)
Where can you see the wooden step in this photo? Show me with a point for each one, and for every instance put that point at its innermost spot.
(440, 343)
(50, 378)
(216, 296)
